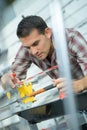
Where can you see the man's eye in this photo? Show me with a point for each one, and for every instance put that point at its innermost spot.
(36, 43)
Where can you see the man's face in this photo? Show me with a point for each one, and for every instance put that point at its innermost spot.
(38, 44)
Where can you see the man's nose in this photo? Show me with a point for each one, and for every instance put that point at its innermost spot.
(34, 50)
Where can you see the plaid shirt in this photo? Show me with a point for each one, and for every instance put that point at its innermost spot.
(77, 47)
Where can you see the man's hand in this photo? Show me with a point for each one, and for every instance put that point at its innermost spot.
(59, 83)
(11, 79)
(78, 85)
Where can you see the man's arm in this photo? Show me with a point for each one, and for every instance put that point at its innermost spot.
(21, 63)
(79, 48)
(80, 85)
(19, 67)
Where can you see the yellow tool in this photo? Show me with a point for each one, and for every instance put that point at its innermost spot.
(24, 90)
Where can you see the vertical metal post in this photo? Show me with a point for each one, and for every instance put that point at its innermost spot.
(63, 60)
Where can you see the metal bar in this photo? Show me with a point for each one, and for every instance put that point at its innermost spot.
(63, 60)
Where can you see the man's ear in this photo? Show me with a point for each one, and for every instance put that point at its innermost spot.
(48, 33)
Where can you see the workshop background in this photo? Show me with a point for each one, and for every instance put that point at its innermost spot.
(74, 12)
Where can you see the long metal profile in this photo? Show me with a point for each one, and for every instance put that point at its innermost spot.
(63, 60)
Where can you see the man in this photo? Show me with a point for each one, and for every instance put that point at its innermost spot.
(38, 47)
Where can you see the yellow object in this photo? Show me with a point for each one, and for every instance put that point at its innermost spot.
(8, 95)
(24, 91)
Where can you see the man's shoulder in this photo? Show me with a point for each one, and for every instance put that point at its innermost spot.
(70, 33)
(70, 30)
(22, 52)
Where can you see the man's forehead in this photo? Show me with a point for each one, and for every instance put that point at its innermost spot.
(30, 40)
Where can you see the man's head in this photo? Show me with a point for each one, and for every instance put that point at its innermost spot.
(35, 36)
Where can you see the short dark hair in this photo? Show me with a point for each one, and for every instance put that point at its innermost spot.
(29, 23)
